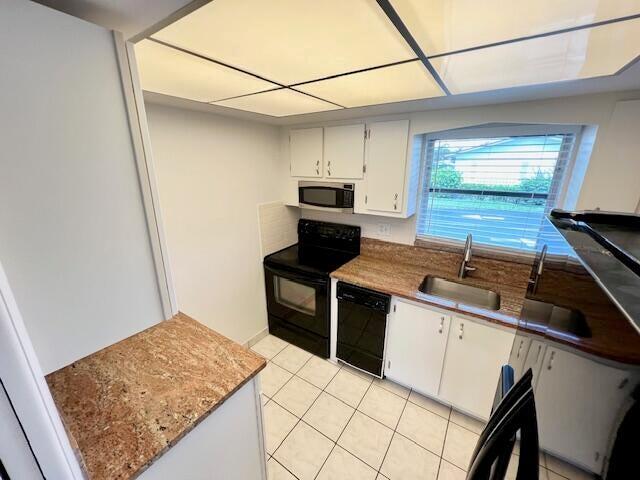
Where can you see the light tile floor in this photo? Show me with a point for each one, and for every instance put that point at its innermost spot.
(332, 422)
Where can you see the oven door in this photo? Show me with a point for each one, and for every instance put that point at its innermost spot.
(298, 299)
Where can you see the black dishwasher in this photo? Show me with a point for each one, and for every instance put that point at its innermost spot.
(362, 323)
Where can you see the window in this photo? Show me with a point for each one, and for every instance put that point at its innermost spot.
(497, 186)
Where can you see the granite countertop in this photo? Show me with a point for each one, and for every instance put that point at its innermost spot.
(399, 270)
(126, 405)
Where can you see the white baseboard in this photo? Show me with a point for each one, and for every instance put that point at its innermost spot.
(257, 337)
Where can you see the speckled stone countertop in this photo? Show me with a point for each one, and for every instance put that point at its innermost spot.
(125, 405)
(399, 270)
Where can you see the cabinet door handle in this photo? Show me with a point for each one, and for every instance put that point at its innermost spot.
(317, 163)
(328, 173)
(441, 325)
(553, 354)
(317, 171)
(519, 349)
(461, 332)
(538, 354)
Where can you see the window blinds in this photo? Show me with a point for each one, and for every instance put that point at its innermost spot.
(497, 188)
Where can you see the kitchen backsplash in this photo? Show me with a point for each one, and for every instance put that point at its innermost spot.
(278, 226)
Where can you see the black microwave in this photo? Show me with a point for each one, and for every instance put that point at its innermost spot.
(336, 197)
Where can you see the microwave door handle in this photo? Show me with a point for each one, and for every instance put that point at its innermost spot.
(295, 276)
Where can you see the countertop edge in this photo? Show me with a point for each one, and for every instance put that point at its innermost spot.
(200, 419)
(507, 321)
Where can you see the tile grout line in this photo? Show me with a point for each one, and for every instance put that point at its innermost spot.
(300, 418)
(446, 431)
(274, 401)
(356, 409)
(283, 466)
(335, 444)
(344, 428)
(384, 457)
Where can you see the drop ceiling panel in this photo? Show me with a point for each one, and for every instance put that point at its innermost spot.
(442, 26)
(291, 41)
(278, 103)
(584, 53)
(408, 81)
(171, 72)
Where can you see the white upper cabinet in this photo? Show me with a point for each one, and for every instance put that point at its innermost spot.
(344, 151)
(305, 150)
(385, 160)
(475, 353)
(416, 342)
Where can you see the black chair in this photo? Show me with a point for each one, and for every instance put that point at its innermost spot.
(514, 411)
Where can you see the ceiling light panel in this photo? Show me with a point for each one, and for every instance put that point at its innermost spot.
(397, 83)
(171, 72)
(585, 53)
(443, 26)
(278, 103)
(291, 41)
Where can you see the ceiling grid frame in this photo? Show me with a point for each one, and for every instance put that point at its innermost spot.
(397, 22)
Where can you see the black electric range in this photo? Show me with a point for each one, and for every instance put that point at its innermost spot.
(298, 285)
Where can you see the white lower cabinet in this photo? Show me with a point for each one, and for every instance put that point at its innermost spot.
(416, 343)
(579, 430)
(452, 359)
(475, 353)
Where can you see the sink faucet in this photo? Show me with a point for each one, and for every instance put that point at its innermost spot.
(466, 258)
(537, 271)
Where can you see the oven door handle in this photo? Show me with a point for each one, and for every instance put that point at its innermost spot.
(296, 276)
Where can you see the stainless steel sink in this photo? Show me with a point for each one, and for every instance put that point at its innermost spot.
(458, 292)
(547, 317)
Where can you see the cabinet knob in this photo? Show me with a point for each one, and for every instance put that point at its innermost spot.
(441, 325)
(461, 333)
(538, 354)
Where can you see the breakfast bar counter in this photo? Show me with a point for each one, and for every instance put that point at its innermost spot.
(125, 406)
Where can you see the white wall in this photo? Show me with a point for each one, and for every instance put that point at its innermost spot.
(73, 235)
(612, 179)
(213, 171)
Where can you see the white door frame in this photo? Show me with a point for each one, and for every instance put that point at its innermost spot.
(146, 173)
(26, 386)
